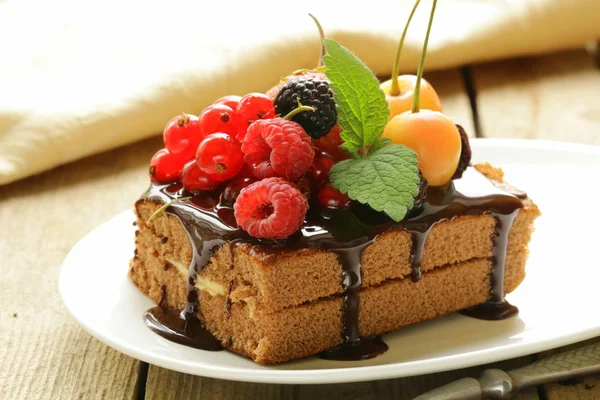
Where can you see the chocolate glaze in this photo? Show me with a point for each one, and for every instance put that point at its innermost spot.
(347, 232)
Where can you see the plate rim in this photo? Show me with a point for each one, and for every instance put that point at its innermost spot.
(345, 374)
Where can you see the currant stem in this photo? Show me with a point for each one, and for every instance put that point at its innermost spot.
(298, 110)
(162, 208)
(417, 92)
(395, 89)
(322, 35)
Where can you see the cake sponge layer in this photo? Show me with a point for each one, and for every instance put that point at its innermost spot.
(269, 281)
(310, 328)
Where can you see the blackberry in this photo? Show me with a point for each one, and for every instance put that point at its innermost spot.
(420, 197)
(311, 92)
(465, 153)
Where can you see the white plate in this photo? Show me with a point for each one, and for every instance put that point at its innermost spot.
(558, 299)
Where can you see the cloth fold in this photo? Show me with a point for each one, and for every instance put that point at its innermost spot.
(79, 78)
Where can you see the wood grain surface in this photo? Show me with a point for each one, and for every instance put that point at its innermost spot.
(44, 354)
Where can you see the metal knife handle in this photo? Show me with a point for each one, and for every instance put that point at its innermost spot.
(582, 361)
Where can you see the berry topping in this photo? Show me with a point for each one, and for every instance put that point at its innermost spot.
(301, 73)
(233, 189)
(331, 143)
(313, 93)
(217, 118)
(220, 156)
(277, 147)
(330, 197)
(194, 180)
(165, 166)
(252, 107)
(271, 208)
(319, 170)
(182, 135)
(230, 101)
(305, 186)
(434, 137)
(465, 153)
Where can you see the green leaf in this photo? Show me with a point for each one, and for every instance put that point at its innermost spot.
(361, 104)
(387, 180)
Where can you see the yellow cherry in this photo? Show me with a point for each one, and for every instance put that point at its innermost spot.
(434, 137)
(402, 102)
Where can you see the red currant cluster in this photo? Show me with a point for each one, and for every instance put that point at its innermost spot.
(266, 166)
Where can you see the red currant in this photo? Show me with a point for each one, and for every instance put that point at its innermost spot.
(182, 135)
(194, 180)
(305, 186)
(234, 187)
(220, 156)
(231, 101)
(252, 107)
(217, 118)
(330, 197)
(165, 166)
(331, 143)
(319, 170)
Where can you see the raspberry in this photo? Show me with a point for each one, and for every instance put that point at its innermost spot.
(165, 166)
(277, 147)
(194, 180)
(220, 157)
(252, 107)
(465, 153)
(311, 92)
(230, 101)
(319, 170)
(331, 143)
(332, 198)
(182, 135)
(217, 118)
(301, 73)
(271, 208)
(233, 189)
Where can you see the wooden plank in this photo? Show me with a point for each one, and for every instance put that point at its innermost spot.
(166, 384)
(554, 97)
(44, 353)
(450, 88)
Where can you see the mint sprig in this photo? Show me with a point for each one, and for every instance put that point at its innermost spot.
(386, 177)
(387, 180)
(362, 107)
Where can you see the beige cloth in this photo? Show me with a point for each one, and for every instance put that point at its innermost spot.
(77, 79)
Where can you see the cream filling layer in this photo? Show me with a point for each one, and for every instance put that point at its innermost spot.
(206, 285)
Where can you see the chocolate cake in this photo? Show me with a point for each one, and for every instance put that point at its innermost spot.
(339, 282)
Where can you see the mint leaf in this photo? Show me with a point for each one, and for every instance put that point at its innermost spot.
(387, 180)
(361, 104)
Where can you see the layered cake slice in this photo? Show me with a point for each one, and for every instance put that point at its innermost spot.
(254, 238)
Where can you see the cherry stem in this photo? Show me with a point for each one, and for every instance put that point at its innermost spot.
(298, 110)
(417, 91)
(322, 35)
(162, 208)
(395, 89)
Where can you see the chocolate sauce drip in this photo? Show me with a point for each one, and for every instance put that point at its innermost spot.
(186, 330)
(362, 349)
(354, 347)
(418, 245)
(347, 232)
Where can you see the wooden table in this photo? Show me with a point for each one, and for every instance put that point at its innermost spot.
(44, 354)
